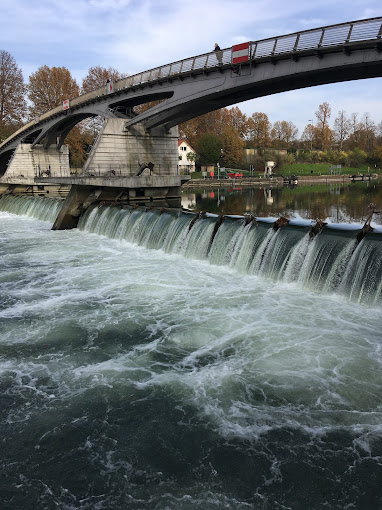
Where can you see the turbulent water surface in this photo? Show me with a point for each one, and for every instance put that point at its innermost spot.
(142, 378)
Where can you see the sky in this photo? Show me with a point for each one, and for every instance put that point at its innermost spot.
(136, 35)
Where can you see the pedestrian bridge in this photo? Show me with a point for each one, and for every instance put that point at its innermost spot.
(135, 155)
(197, 85)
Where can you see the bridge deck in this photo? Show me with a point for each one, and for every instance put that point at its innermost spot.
(345, 36)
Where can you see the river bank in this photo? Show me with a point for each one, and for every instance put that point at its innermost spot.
(278, 180)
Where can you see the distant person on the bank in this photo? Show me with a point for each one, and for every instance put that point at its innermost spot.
(219, 53)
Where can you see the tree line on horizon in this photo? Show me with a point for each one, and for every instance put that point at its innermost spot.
(217, 136)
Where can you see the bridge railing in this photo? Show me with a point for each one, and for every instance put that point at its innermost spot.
(333, 35)
(314, 39)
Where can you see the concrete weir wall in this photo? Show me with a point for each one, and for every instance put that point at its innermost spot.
(28, 163)
(124, 150)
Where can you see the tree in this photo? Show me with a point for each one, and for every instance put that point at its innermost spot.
(209, 148)
(193, 129)
(379, 131)
(283, 133)
(307, 137)
(355, 131)
(341, 128)
(192, 157)
(233, 147)
(323, 114)
(377, 155)
(237, 119)
(259, 129)
(12, 90)
(214, 122)
(369, 131)
(291, 132)
(356, 157)
(79, 143)
(97, 77)
(49, 87)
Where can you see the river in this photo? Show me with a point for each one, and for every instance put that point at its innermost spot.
(334, 202)
(136, 373)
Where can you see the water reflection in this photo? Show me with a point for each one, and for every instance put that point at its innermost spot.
(340, 203)
(268, 196)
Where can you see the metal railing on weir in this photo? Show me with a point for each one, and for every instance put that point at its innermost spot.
(110, 171)
(343, 34)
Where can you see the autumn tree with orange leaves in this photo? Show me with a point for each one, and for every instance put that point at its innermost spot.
(97, 77)
(49, 87)
(259, 129)
(323, 131)
(233, 147)
(214, 122)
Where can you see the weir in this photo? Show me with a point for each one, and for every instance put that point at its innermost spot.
(326, 258)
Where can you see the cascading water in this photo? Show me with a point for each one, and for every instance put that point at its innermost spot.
(331, 261)
(41, 208)
(177, 364)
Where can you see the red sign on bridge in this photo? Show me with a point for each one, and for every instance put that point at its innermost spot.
(240, 53)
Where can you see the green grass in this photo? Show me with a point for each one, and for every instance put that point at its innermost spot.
(321, 169)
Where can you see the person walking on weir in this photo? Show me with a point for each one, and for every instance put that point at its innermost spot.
(219, 54)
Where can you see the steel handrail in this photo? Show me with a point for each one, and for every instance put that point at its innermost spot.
(341, 34)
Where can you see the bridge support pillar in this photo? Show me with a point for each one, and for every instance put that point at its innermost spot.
(28, 163)
(129, 165)
(120, 151)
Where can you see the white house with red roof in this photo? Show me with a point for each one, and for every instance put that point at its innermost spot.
(186, 165)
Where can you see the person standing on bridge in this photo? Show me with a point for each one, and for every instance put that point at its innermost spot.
(219, 53)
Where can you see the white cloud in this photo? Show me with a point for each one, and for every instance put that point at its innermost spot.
(312, 22)
(108, 4)
(371, 13)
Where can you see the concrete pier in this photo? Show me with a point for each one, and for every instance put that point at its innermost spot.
(28, 163)
(125, 165)
(122, 151)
